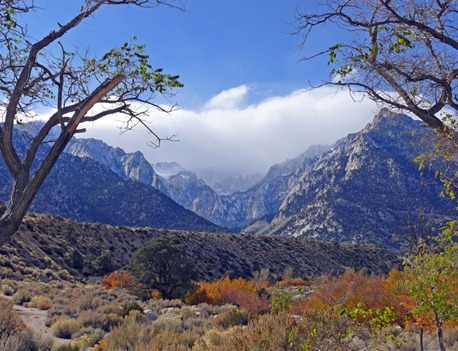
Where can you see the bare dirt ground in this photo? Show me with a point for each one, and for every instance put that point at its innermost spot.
(35, 320)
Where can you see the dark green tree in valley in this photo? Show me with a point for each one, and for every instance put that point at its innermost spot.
(162, 264)
(103, 264)
(75, 259)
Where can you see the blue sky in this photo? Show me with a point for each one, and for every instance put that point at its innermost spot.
(243, 105)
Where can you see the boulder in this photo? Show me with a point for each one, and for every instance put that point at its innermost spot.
(150, 315)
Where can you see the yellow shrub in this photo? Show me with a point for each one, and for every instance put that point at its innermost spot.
(65, 328)
(41, 302)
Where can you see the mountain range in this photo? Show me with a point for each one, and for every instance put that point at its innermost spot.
(88, 191)
(233, 211)
(365, 188)
(362, 189)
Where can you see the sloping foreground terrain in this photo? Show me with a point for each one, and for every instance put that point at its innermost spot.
(55, 244)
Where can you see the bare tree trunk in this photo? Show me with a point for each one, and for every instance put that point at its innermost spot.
(26, 187)
(422, 346)
(8, 226)
(439, 334)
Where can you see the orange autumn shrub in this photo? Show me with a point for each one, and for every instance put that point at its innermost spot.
(241, 292)
(356, 290)
(113, 280)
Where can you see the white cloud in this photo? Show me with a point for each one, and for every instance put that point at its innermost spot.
(228, 99)
(225, 137)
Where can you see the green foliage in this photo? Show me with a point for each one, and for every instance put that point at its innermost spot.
(162, 264)
(432, 280)
(281, 301)
(130, 306)
(402, 41)
(132, 61)
(67, 347)
(333, 50)
(65, 328)
(377, 319)
(103, 264)
(232, 318)
(75, 259)
(435, 276)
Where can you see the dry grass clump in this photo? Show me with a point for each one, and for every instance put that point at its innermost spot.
(134, 329)
(65, 328)
(14, 336)
(10, 322)
(137, 333)
(41, 302)
(68, 347)
(98, 320)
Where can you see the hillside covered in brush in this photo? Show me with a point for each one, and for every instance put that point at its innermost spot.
(54, 244)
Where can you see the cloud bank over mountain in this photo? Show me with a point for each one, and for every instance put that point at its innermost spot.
(233, 135)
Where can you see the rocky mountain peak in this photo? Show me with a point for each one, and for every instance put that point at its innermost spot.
(365, 188)
(387, 119)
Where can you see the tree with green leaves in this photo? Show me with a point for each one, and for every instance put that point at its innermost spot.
(402, 54)
(78, 86)
(162, 264)
(432, 281)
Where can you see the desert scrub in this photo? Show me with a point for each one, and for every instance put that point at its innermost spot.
(21, 297)
(67, 347)
(134, 329)
(232, 317)
(41, 302)
(10, 322)
(139, 334)
(65, 328)
(170, 321)
(8, 288)
(18, 342)
(64, 274)
(95, 319)
(129, 306)
(87, 301)
(14, 336)
(88, 337)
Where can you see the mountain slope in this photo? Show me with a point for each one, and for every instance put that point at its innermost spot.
(233, 211)
(85, 190)
(364, 188)
(126, 165)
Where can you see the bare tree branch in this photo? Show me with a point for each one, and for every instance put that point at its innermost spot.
(72, 85)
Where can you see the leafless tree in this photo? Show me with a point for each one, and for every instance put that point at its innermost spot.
(79, 88)
(401, 53)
